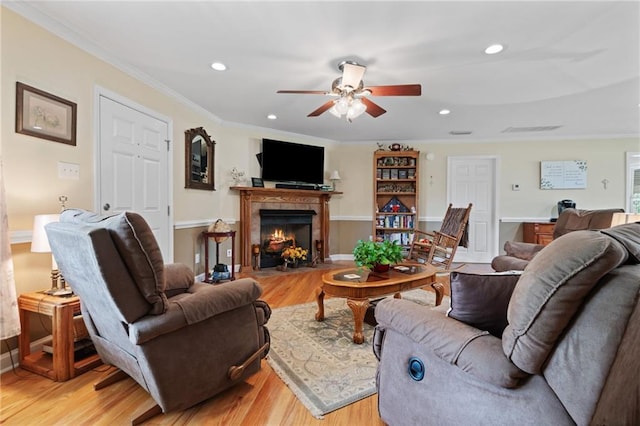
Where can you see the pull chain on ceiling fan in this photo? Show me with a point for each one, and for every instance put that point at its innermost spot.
(352, 95)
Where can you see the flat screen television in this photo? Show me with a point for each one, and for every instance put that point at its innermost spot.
(292, 162)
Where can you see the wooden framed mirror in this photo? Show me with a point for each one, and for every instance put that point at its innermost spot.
(199, 159)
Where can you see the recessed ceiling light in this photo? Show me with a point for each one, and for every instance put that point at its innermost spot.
(444, 112)
(218, 66)
(493, 49)
(272, 116)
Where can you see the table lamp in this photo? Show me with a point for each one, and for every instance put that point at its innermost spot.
(335, 176)
(40, 244)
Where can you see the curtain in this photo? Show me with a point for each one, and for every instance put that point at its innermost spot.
(9, 317)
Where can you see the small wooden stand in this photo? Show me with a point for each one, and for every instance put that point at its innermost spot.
(208, 277)
(255, 251)
(319, 252)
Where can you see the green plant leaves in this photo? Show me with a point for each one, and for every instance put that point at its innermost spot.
(369, 253)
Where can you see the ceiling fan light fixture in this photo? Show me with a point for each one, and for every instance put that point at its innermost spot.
(334, 111)
(342, 105)
(356, 109)
(351, 95)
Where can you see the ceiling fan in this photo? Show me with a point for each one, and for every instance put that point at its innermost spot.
(351, 95)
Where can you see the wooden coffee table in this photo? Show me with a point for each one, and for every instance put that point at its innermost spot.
(358, 285)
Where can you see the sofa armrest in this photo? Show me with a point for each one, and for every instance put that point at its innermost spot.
(201, 302)
(521, 250)
(471, 350)
(178, 278)
(505, 263)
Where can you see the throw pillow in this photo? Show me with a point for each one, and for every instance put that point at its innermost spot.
(481, 300)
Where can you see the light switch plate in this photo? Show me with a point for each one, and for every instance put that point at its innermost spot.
(68, 170)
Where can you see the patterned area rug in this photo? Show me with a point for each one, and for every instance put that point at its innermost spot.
(318, 360)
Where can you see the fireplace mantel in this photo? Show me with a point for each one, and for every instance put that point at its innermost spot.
(253, 199)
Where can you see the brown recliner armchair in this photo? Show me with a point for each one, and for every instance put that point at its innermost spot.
(518, 254)
(182, 341)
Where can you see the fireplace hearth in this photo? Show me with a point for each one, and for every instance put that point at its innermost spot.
(280, 229)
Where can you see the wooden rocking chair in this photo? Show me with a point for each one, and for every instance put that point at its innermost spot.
(439, 247)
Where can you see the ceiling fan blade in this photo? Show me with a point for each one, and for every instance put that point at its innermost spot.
(308, 92)
(396, 90)
(322, 109)
(373, 109)
(352, 74)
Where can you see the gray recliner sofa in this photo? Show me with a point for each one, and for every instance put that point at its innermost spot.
(183, 341)
(518, 254)
(570, 354)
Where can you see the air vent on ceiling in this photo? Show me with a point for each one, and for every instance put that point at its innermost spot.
(530, 129)
(460, 132)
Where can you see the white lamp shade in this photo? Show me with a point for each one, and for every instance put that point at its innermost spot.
(342, 106)
(335, 175)
(333, 110)
(356, 109)
(39, 240)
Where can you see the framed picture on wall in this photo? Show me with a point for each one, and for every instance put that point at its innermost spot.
(44, 115)
(257, 182)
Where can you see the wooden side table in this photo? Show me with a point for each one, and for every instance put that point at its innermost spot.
(61, 365)
(207, 274)
(538, 232)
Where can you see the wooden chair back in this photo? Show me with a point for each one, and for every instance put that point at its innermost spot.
(439, 247)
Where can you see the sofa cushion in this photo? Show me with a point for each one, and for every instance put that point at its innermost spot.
(481, 300)
(629, 236)
(137, 246)
(550, 291)
(571, 220)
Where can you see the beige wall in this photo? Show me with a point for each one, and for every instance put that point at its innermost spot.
(519, 162)
(47, 62)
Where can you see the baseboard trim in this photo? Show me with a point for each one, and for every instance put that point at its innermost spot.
(5, 359)
(341, 257)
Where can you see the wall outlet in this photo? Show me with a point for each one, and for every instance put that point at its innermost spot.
(197, 259)
(515, 187)
(229, 253)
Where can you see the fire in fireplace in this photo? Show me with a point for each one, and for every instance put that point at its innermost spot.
(280, 229)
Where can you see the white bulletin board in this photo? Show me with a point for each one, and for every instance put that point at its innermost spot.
(570, 174)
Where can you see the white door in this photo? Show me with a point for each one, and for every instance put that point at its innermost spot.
(633, 182)
(473, 180)
(133, 170)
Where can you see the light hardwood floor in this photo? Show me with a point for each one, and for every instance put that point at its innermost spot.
(29, 399)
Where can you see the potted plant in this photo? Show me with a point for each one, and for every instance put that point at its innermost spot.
(377, 255)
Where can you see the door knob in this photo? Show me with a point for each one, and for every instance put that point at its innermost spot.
(106, 206)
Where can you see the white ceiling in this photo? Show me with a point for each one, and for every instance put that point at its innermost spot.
(570, 64)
